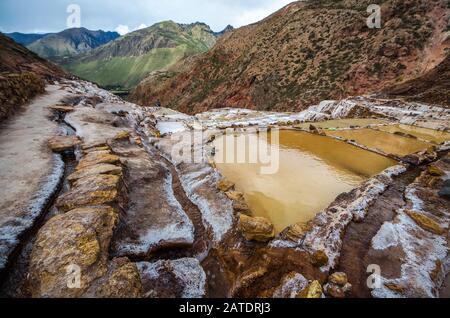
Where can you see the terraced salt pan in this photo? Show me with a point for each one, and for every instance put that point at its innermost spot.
(227, 117)
(313, 170)
(385, 142)
(425, 134)
(344, 123)
(423, 115)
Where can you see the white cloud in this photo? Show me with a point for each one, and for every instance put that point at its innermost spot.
(142, 26)
(123, 29)
(257, 14)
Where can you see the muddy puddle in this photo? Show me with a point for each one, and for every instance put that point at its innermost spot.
(386, 142)
(344, 123)
(312, 171)
(425, 134)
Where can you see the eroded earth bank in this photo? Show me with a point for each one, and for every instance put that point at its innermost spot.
(97, 202)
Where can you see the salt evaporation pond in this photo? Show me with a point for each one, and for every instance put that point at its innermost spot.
(313, 171)
(386, 142)
(430, 135)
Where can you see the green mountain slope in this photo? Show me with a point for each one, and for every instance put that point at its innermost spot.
(123, 63)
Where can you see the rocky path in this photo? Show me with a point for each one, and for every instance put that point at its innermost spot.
(29, 171)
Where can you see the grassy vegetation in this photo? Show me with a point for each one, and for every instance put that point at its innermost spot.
(124, 63)
(127, 72)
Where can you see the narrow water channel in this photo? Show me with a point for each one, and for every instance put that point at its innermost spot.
(312, 171)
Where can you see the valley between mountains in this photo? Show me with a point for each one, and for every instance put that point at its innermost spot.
(131, 198)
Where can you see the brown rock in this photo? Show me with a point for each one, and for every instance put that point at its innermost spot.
(319, 259)
(122, 135)
(432, 182)
(297, 231)
(235, 195)
(437, 271)
(314, 290)
(78, 239)
(122, 281)
(63, 143)
(97, 157)
(90, 191)
(154, 132)
(313, 129)
(248, 278)
(435, 171)
(336, 291)
(138, 141)
(93, 146)
(96, 149)
(339, 279)
(425, 222)
(62, 108)
(242, 207)
(412, 159)
(395, 288)
(256, 229)
(225, 185)
(89, 171)
(338, 286)
(406, 135)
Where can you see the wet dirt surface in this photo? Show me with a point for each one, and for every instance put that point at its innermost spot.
(356, 253)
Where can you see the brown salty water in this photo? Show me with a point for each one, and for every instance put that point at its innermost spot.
(313, 171)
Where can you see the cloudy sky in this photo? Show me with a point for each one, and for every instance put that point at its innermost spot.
(38, 16)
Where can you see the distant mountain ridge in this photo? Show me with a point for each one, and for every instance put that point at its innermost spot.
(124, 62)
(25, 38)
(227, 29)
(69, 42)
